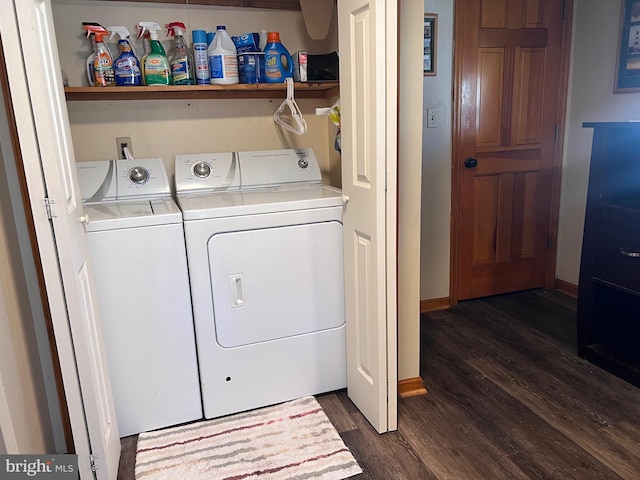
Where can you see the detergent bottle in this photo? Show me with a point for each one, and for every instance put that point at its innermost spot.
(278, 63)
(182, 60)
(223, 59)
(157, 70)
(127, 65)
(100, 72)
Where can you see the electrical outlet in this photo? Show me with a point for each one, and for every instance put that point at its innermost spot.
(123, 142)
(432, 117)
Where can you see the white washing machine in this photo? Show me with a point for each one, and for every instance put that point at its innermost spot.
(264, 247)
(136, 242)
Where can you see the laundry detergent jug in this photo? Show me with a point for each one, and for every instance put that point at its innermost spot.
(278, 64)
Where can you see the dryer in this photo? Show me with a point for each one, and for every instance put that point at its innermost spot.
(265, 255)
(139, 264)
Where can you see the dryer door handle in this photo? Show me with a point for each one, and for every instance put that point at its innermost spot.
(236, 289)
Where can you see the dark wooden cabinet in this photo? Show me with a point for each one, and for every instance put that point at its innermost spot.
(609, 289)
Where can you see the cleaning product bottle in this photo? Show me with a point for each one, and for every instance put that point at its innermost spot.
(89, 62)
(99, 65)
(127, 65)
(201, 60)
(146, 49)
(182, 60)
(223, 59)
(157, 70)
(278, 63)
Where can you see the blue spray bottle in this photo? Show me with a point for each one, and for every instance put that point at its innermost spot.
(127, 65)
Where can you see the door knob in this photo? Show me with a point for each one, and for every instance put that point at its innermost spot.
(345, 199)
(470, 162)
(84, 219)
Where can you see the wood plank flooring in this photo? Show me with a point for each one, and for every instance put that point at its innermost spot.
(508, 399)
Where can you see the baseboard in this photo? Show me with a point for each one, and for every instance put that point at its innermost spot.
(411, 387)
(566, 288)
(435, 304)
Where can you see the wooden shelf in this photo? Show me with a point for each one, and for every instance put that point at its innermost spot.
(199, 92)
(268, 4)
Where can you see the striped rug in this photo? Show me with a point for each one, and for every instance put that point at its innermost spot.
(294, 440)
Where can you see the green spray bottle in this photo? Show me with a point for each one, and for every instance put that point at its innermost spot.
(157, 70)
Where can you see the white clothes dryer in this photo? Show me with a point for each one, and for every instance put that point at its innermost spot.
(264, 247)
(136, 242)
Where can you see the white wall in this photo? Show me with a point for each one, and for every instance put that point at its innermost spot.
(591, 99)
(25, 420)
(436, 161)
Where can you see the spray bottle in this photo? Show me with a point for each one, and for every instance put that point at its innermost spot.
(100, 72)
(127, 66)
(156, 67)
(146, 49)
(182, 60)
(89, 62)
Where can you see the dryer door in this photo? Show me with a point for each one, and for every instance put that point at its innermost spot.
(276, 282)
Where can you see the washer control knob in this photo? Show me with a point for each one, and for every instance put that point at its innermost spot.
(202, 170)
(139, 175)
(303, 163)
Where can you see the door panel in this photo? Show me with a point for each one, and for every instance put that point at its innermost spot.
(368, 44)
(47, 155)
(510, 62)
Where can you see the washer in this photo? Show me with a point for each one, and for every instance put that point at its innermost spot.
(136, 242)
(264, 247)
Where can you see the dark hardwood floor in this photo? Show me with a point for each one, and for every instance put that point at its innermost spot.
(508, 399)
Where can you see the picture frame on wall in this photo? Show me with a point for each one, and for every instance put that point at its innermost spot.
(429, 55)
(628, 65)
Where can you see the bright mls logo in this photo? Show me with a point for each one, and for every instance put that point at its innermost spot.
(50, 467)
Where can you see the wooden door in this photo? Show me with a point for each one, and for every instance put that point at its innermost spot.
(509, 109)
(42, 125)
(368, 85)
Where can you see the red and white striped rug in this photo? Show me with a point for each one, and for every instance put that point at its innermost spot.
(293, 440)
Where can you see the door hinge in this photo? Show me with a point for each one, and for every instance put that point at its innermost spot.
(92, 462)
(564, 9)
(556, 132)
(49, 205)
(548, 242)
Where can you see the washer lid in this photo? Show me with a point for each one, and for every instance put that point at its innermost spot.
(196, 206)
(131, 214)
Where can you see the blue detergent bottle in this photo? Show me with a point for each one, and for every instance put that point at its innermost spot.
(127, 65)
(278, 63)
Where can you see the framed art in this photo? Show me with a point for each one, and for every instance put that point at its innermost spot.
(628, 65)
(429, 55)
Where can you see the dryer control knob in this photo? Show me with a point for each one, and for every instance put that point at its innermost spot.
(202, 170)
(139, 175)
